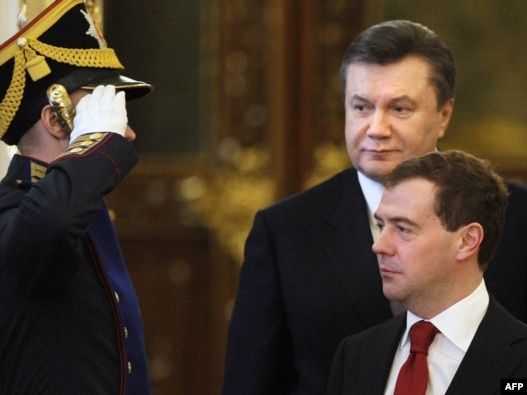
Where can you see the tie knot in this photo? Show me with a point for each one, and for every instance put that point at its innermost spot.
(422, 334)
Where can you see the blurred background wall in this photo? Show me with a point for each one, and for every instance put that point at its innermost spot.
(246, 110)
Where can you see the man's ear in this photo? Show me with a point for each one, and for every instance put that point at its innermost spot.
(446, 115)
(51, 123)
(471, 238)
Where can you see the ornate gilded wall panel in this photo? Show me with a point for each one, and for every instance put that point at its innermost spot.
(277, 119)
(488, 39)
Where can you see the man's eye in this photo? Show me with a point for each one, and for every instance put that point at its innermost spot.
(402, 110)
(358, 107)
(402, 229)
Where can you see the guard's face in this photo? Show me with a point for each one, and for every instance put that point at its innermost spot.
(391, 114)
(416, 254)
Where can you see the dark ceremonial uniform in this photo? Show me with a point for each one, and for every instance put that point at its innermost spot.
(69, 316)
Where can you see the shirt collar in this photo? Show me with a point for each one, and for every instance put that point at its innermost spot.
(459, 322)
(372, 191)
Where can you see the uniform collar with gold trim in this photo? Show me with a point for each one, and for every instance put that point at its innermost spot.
(30, 170)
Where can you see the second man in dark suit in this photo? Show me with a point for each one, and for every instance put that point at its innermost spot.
(441, 217)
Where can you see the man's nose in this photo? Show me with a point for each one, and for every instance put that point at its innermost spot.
(382, 244)
(380, 125)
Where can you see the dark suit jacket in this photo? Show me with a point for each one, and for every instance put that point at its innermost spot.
(310, 278)
(499, 350)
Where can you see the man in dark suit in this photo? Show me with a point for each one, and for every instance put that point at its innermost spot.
(309, 277)
(441, 217)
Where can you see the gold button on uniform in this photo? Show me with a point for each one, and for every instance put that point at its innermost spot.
(125, 332)
(116, 296)
(129, 367)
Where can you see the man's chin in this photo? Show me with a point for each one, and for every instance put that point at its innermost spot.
(391, 293)
(378, 171)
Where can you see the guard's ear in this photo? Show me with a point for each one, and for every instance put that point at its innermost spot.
(51, 122)
(471, 238)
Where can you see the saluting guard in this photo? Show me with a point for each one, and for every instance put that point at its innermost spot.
(69, 317)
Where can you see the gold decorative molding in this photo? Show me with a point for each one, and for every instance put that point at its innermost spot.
(252, 111)
(329, 159)
(232, 194)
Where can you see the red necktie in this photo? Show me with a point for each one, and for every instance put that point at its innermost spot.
(413, 376)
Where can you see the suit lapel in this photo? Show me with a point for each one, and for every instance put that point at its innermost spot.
(492, 355)
(374, 372)
(348, 245)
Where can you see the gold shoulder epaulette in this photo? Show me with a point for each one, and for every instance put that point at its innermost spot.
(83, 144)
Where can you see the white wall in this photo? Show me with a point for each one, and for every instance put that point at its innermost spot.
(8, 14)
(8, 27)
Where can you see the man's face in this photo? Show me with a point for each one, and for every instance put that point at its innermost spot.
(417, 256)
(391, 114)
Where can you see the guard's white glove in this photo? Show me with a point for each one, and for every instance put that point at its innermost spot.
(100, 111)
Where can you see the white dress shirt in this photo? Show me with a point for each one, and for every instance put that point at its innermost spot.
(372, 192)
(458, 325)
